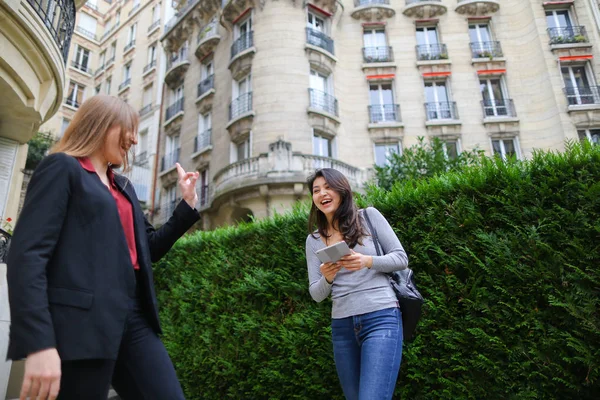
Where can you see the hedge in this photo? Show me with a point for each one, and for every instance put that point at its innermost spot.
(506, 254)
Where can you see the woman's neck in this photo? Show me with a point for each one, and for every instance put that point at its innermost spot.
(100, 164)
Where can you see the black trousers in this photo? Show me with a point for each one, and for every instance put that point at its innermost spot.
(143, 370)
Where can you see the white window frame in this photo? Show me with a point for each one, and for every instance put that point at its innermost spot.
(330, 140)
(501, 140)
(151, 53)
(328, 82)
(208, 69)
(589, 135)
(76, 87)
(314, 16)
(480, 26)
(244, 23)
(435, 84)
(113, 49)
(388, 151)
(555, 17)
(426, 29)
(236, 92)
(248, 149)
(458, 147)
(176, 94)
(126, 72)
(132, 33)
(108, 85)
(490, 92)
(79, 56)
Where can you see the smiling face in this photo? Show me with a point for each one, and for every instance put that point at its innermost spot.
(117, 145)
(325, 198)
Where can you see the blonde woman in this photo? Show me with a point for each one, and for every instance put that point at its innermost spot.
(82, 299)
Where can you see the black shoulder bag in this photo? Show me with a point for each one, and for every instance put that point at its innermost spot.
(404, 286)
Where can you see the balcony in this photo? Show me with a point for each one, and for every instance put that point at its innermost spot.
(320, 40)
(202, 141)
(424, 8)
(86, 33)
(129, 46)
(110, 62)
(378, 54)
(432, 52)
(568, 36)
(208, 39)
(99, 71)
(125, 85)
(174, 111)
(82, 68)
(281, 165)
(240, 106)
(583, 97)
(243, 43)
(168, 160)
(384, 113)
(477, 7)
(372, 10)
(177, 66)
(154, 26)
(59, 22)
(145, 110)
(151, 66)
(489, 50)
(441, 111)
(323, 103)
(499, 108)
(72, 102)
(178, 28)
(206, 89)
(232, 9)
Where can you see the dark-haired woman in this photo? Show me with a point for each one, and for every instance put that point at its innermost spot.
(366, 321)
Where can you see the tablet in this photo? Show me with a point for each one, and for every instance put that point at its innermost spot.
(333, 253)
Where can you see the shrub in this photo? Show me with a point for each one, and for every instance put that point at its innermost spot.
(507, 256)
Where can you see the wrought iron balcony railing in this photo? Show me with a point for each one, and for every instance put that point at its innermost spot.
(208, 31)
(568, 35)
(441, 110)
(58, 16)
(378, 54)
(86, 33)
(206, 85)
(582, 95)
(362, 3)
(82, 67)
(319, 39)
(323, 101)
(125, 83)
(203, 140)
(72, 102)
(129, 46)
(150, 66)
(380, 113)
(178, 58)
(426, 52)
(145, 110)
(240, 106)
(154, 25)
(409, 2)
(242, 43)
(486, 50)
(174, 108)
(498, 108)
(168, 160)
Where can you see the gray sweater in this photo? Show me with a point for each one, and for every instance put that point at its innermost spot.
(366, 290)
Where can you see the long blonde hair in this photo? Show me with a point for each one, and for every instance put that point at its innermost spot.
(86, 134)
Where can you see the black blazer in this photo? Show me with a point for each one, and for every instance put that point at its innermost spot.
(69, 269)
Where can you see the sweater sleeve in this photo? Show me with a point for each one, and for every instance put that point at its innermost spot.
(318, 286)
(395, 257)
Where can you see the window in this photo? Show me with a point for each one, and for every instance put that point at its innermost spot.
(319, 81)
(151, 54)
(75, 94)
(108, 85)
(142, 146)
(480, 33)
(147, 97)
(82, 58)
(322, 145)
(505, 148)
(495, 103)
(428, 44)
(203, 181)
(171, 151)
(102, 59)
(107, 26)
(592, 135)
(579, 85)
(383, 151)
(208, 69)
(321, 92)
(87, 24)
(204, 132)
(482, 43)
(242, 87)
(131, 35)
(176, 94)
(376, 48)
(155, 13)
(118, 18)
(558, 19)
(437, 99)
(98, 89)
(126, 72)
(382, 107)
(243, 29)
(170, 201)
(316, 22)
(241, 151)
(113, 49)
(451, 149)
(64, 125)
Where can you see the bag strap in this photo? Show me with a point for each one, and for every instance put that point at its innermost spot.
(373, 232)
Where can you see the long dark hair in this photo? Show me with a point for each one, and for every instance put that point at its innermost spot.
(345, 218)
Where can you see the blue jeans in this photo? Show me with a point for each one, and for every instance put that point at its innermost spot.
(367, 350)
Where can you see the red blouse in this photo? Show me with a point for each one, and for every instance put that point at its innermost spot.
(125, 210)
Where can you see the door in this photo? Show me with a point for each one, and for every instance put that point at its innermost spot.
(428, 44)
(481, 40)
(376, 48)
(382, 103)
(579, 88)
(494, 97)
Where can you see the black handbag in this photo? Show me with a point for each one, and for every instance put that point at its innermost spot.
(403, 283)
